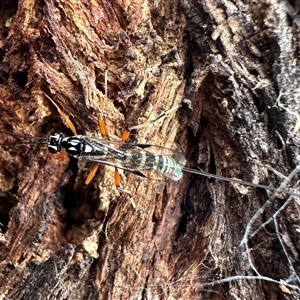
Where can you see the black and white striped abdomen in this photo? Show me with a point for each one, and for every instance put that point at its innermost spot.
(167, 167)
(143, 160)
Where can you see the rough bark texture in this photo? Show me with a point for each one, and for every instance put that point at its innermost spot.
(238, 63)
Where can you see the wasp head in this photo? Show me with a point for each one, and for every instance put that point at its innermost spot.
(54, 142)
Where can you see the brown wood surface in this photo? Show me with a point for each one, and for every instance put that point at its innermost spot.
(61, 239)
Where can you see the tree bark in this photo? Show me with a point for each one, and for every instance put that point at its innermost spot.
(199, 238)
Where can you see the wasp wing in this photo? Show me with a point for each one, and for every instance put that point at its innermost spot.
(114, 146)
(155, 161)
(118, 166)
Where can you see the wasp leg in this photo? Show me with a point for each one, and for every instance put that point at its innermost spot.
(118, 182)
(126, 133)
(60, 155)
(117, 178)
(101, 122)
(92, 174)
(64, 116)
(103, 129)
(104, 133)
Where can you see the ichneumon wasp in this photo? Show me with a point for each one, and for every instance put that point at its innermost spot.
(134, 158)
(139, 159)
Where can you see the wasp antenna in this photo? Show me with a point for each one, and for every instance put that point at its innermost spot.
(26, 136)
(32, 139)
(39, 142)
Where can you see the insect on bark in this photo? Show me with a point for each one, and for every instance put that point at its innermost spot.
(139, 159)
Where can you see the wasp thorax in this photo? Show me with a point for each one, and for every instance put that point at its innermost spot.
(54, 142)
(76, 146)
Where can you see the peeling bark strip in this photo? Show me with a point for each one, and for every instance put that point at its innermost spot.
(238, 62)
